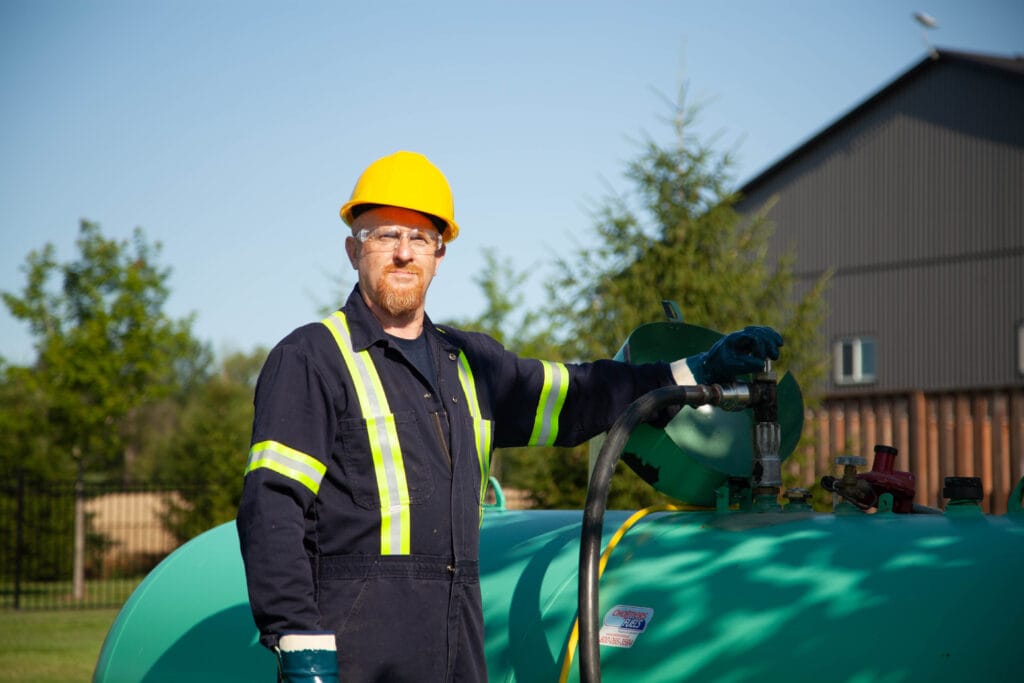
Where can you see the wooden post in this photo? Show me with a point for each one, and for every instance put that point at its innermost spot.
(934, 457)
(1016, 436)
(947, 442)
(1000, 453)
(823, 463)
(917, 412)
(963, 455)
(982, 448)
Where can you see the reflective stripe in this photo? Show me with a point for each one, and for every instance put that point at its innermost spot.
(549, 406)
(388, 465)
(481, 427)
(289, 462)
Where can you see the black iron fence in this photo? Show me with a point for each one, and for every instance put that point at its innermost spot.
(81, 545)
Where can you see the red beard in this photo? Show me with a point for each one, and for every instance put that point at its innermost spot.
(401, 299)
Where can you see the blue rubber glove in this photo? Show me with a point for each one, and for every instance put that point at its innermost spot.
(308, 657)
(737, 353)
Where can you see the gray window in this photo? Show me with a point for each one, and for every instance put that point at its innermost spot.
(1020, 347)
(854, 360)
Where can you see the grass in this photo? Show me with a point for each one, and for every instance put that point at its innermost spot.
(52, 646)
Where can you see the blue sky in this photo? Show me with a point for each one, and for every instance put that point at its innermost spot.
(232, 131)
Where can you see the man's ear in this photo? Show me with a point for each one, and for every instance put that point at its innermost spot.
(352, 249)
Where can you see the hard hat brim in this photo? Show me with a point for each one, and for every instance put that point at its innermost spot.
(450, 231)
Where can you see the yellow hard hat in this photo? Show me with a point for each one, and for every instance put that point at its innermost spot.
(407, 180)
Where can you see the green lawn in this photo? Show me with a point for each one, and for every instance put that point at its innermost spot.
(52, 646)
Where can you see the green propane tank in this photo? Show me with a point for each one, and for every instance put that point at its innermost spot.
(710, 595)
(714, 596)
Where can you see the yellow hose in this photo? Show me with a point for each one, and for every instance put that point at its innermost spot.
(570, 648)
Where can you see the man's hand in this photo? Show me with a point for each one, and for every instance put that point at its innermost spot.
(737, 353)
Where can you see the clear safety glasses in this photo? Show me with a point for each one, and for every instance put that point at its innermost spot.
(385, 238)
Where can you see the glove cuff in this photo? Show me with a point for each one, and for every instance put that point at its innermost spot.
(682, 374)
(315, 640)
(698, 368)
(309, 657)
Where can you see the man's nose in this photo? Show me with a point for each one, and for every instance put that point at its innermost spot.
(403, 250)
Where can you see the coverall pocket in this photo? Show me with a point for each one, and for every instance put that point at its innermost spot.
(387, 449)
(393, 629)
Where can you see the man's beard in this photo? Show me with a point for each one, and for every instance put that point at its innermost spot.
(399, 301)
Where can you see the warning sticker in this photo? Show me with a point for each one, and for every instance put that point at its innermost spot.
(623, 624)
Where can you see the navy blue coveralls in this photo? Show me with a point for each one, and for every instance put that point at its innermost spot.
(317, 554)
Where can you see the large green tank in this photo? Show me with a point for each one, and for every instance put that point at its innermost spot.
(720, 595)
(730, 596)
(764, 597)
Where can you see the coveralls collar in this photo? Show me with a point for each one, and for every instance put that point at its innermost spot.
(367, 331)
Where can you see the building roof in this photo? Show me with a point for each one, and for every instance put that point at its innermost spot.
(1009, 66)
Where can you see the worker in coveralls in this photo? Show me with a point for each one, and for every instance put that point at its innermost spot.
(360, 515)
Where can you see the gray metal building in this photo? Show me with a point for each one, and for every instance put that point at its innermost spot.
(915, 200)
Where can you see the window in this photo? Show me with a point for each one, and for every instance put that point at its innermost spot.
(854, 360)
(1020, 347)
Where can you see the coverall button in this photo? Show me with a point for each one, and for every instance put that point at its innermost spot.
(452, 356)
(455, 399)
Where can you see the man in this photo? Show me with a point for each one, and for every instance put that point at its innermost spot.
(359, 520)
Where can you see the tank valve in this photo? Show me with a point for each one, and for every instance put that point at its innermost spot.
(850, 487)
(797, 500)
(963, 490)
(766, 474)
(885, 478)
(863, 490)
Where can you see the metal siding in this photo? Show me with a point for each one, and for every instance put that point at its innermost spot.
(918, 203)
(942, 327)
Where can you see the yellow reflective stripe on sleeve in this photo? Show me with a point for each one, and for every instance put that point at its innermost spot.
(549, 406)
(388, 465)
(296, 465)
(481, 427)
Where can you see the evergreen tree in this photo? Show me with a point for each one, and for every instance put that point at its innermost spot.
(677, 236)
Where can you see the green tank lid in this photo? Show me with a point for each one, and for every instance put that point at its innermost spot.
(700, 449)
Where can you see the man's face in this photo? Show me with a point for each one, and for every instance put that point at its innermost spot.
(394, 280)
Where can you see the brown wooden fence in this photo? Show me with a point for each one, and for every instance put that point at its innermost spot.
(969, 434)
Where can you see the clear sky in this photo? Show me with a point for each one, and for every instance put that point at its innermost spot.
(231, 131)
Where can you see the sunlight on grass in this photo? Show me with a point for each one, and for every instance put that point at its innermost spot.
(59, 646)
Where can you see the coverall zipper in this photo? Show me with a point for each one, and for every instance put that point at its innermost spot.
(440, 438)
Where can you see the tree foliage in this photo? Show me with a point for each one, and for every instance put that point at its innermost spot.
(676, 236)
(206, 456)
(105, 350)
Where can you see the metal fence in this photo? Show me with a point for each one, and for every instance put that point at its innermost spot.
(81, 545)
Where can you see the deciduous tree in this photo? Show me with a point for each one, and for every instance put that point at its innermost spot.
(105, 348)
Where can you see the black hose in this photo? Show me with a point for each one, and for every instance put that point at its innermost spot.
(641, 410)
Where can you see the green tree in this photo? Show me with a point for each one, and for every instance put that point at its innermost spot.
(105, 348)
(520, 330)
(206, 457)
(677, 236)
(23, 445)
